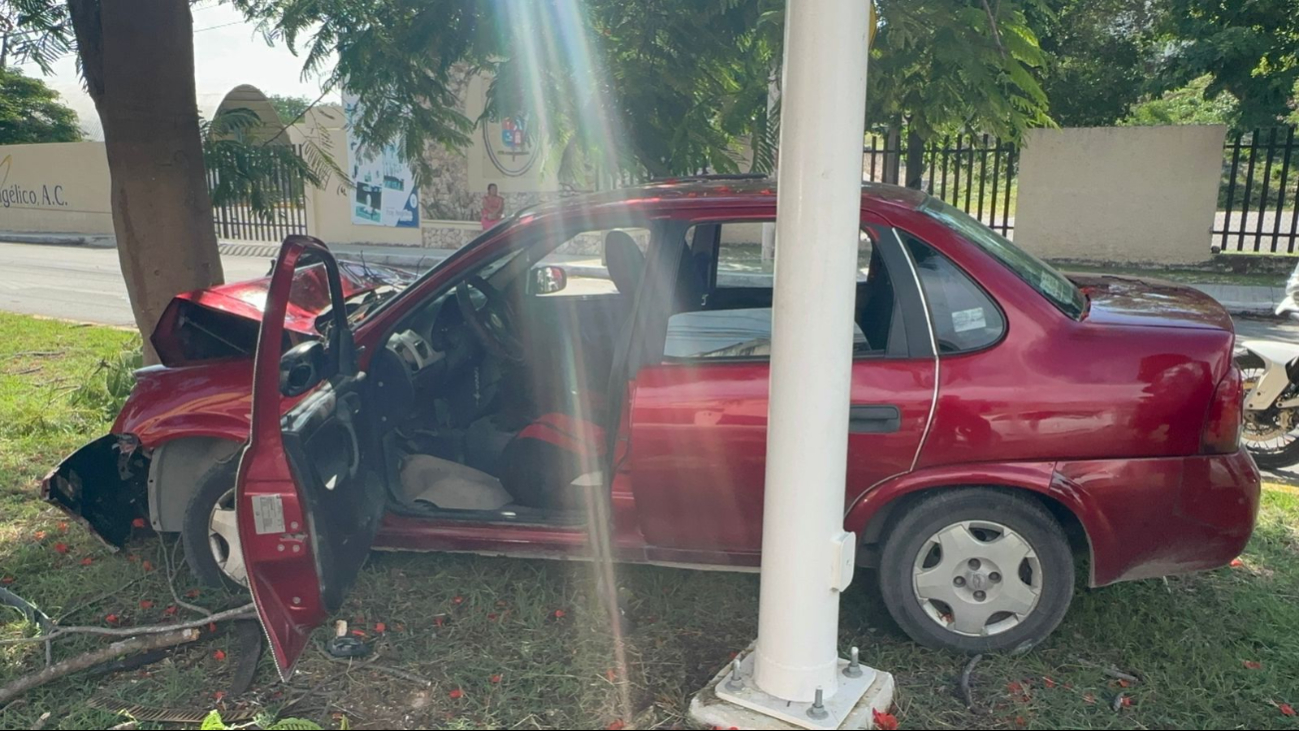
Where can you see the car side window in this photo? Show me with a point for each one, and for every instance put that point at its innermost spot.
(964, 317)
(734, 319)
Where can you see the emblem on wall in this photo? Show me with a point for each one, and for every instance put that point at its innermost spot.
(509, 146)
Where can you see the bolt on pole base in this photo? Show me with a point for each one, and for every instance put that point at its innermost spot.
(732, 700)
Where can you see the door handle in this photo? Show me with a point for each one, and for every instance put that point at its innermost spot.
(874, 419)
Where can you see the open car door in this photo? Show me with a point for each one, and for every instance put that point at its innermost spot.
(308, 501)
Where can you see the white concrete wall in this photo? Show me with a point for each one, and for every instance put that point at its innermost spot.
(60, 187)
(1119, 194)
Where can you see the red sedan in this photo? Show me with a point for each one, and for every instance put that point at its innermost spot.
(1005, 420)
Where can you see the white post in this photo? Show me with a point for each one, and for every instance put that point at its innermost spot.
(769, 229)
(804, 546)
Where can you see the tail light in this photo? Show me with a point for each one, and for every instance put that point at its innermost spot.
(1223, 423)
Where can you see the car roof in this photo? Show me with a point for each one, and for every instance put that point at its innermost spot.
(716, 189)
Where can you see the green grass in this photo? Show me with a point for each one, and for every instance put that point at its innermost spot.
(459, 621)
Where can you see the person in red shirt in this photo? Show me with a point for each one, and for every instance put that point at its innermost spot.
(493, 208)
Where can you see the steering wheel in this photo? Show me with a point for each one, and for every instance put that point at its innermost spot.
(493, 324)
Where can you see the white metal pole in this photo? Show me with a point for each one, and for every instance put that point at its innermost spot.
(804, 548)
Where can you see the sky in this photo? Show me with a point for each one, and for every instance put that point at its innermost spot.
(228, 51)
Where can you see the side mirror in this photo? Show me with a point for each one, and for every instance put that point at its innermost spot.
(546, 280)
(303, 367)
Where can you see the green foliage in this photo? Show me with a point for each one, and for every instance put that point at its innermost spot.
(30, 111)
(106, 388)
(214, 722)
(1101, 57)
(1185, 105)
(1250, 49)
(947, 65)
(38, 31)
(289, 108)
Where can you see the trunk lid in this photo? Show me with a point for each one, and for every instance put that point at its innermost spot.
(1118, 300)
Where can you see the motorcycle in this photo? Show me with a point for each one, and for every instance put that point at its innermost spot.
(1270, 370)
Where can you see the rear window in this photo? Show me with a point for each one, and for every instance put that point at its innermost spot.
(1039, 275)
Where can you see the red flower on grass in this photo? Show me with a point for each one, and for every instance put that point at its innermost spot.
(439, 620)
(112, 619)
(7, 580)
(219, 655)
(137, 523)
(456, 694)
(1252, 665)
(146, 565)
(886, 721)
(495, 679)
(61, 547)
(617, 725)
(171, 610)
(458, 600)
(1285, 709)
(559, 614)
(40, 535)
(87, 561)
(380, 627)
(63, 527)
(192, 594)
(1237, 563)
(146, 604)
(491, 616)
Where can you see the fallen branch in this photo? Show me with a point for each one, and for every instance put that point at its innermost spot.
(966, 694)
(247, 610)
(93, 658)
(1110, 670)
(172, 567)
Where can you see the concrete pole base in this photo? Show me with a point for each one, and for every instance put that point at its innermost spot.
(726, 704)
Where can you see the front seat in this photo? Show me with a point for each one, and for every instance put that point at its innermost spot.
(625, 261)
(542, 461)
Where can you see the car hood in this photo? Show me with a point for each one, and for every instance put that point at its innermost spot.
(1150, 302)
(308, 298)
(222, 322)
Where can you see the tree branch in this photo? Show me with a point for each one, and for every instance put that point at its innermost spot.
(90, 659)
(246, 610)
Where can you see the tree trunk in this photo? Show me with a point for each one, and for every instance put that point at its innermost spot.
(137, 58)
(892, 153)
(915, 160)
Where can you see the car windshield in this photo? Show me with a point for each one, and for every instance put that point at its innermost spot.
(1050, 283)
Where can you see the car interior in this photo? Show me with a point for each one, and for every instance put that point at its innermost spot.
(490, 399)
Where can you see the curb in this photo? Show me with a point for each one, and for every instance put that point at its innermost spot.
(94, 241)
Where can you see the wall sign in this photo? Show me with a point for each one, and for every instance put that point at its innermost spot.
(385, 192)
(46, 196)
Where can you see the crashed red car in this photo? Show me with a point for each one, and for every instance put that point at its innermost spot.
(1005, 419)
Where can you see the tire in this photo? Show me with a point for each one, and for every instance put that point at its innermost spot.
(1286, 455)
(985, 611)
(208, 555)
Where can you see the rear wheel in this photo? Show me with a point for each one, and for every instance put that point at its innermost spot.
(977, 570)
(210, 532)
(1271, 436)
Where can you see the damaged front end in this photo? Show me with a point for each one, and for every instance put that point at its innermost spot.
(104, 485)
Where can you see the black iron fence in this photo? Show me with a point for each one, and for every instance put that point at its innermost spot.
(1258, 200)
(280, 208)
(976, 173)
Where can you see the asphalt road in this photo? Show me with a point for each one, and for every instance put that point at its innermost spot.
(80, 283)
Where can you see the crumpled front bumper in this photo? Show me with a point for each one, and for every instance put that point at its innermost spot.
(103, 485)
